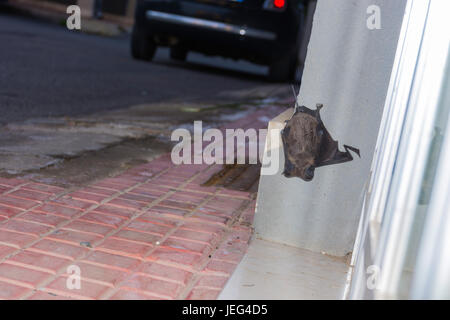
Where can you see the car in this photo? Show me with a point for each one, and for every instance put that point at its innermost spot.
(266, 32)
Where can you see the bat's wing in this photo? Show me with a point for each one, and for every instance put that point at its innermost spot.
(329, 152)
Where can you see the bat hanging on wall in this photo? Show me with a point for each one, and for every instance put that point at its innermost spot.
(308, 144)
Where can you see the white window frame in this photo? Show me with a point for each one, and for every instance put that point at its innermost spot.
(402, 148)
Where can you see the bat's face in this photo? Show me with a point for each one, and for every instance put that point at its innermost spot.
(301, 145)
(301, 169)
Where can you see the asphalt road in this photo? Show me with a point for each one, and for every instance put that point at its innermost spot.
(47, 70)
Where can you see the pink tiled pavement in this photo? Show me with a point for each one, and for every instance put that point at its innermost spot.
(152, 232)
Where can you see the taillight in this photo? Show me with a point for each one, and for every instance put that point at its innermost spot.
(275, 5)
(279, 3)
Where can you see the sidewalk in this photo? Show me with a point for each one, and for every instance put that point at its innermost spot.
(153, 232)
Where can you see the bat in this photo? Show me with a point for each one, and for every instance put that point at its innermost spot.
(308, 144)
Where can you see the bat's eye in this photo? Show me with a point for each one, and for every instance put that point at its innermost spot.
(309, 173)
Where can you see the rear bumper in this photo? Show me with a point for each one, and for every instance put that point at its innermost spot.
(242, 31)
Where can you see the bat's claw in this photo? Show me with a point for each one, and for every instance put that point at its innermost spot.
(353, 149)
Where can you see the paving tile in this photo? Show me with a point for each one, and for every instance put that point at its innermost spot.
(38, 261)
(138, 237)
(9, 212)
(197, 188)
(11, 291)
(99, 191)
(87, 197)
(25, 227)
(150, 191)
(138, 197)
(73, 203)
(127, 204)
(201, 226)
(87, 291)
(185, 245)
(8, 201)
(43, 218)
(88, 226)
(225, 204)
(115, 211)
(148, 227)
(103, 219)
(30, 195)
(216, 211)
(191, 195)
(15, 239)
(6, 250)
(74, 237)
(130, 294)
(58, 249)
(58, 209)
(113, 261)
(205, 237)
(220, 267)
(188, 259)
(165, 182)
(207, 218)
(178, 205)
(4, 189)
(167, 212)
(124, 248)
(203, 294)
(43, 188)
(165, 272)
(97, 274)
(155, 218)
(212, 281)
(21, 276)
(164, 289)
(41, 295)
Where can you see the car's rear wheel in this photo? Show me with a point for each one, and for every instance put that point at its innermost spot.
(143, 47)
(178, 53)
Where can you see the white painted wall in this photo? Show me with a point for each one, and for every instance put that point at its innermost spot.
(347, 69)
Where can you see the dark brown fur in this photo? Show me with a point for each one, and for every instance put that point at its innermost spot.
(308, 145)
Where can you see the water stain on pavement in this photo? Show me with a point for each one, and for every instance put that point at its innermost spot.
(90, 166)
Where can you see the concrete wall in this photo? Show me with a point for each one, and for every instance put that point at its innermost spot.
(347, 69)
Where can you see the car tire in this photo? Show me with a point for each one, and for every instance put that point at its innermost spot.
(284, 69)
(142, 46)
(178, 53)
